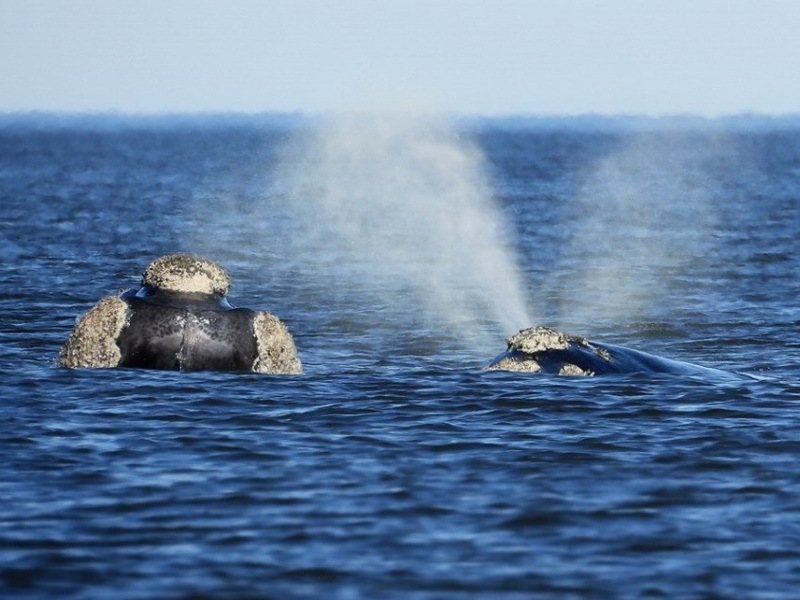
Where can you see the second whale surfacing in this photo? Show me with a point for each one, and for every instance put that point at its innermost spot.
(545, 350)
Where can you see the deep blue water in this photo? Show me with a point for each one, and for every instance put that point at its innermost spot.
(394, 467)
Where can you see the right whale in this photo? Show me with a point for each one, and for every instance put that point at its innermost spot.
(545, 350)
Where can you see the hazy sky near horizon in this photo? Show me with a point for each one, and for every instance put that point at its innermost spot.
(491, 57)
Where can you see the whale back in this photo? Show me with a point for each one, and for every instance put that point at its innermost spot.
(187, 337)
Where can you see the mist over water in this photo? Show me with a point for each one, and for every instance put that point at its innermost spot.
(399, 210)
(391, 222)
(643, 216)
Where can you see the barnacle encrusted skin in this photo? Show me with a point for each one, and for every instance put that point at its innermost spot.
(277, 353)
(187, 273)
(541, 338)
(569, 369)
(516, 364)
(93, 342)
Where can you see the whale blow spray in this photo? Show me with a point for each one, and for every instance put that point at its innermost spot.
(642, 218)
(401, 208)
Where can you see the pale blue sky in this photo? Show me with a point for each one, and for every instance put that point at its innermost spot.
(708, 57)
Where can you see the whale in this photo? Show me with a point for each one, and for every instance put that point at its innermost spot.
(179, 318)
(545, 350)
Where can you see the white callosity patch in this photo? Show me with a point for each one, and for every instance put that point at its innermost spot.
(538, 339)
(187, 273)
(516, 364)
(93, 342)
(568, 369)
(276, 349)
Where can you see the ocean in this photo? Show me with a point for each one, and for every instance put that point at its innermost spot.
(401, 252)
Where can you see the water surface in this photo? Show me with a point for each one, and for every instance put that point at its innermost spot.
(394, 467)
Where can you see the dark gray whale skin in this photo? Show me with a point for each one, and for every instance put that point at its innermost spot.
(186, 332)
(548, 351)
